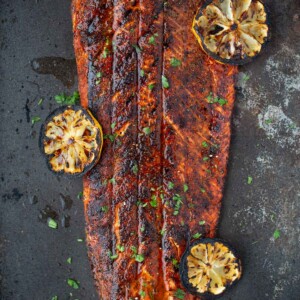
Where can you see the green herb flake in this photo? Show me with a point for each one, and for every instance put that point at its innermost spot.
(202, 190)
(222, 101)
(276, 234)
(121, 248)
(142, 73)
(69, 260)
(79, 195)
(104, 209)
(105, 53)
(201, 223)
(175, 62)
(246, 77)
(170, 185)
(142, 293)
(185, 188)
(249, 180)
(113, 125)
(211, 99)
(133, 249)
(153, 201)
(179, 294)
(137, 48)
(35, 120)
(73, 283)
(67, 100)
(197, 235)
(139, 258)
(269, 121)
(111, 137)
(54, 298)
(99, 75)
(52, 223)
(80, 240)
(204, 144)
(142, 228)
(112, 256)
(135, 169)
(163, 231)
(40, 101)
(151, 86)
(206, 158)
(112, 180)
(152, 39)
(165, 82)
(175, 263)
(147, 130)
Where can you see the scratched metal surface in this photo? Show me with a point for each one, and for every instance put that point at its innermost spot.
(37, 61)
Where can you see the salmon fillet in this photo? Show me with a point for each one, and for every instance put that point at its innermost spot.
(161, 175)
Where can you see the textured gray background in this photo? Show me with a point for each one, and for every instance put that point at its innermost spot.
(33, 257)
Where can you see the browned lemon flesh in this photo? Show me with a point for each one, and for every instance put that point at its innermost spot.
(71, 141)
(212, 267)
(232, 29)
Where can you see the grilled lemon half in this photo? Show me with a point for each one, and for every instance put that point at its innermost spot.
(71, 140)
(209, 267)
(232, 31)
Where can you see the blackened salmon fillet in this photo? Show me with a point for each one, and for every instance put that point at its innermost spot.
(165, 108)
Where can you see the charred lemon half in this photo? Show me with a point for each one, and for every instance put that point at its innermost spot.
(209, 267)
(232, 31)
(71, 139)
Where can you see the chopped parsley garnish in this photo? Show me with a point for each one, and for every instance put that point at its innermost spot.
(52, 223)
(69, 260)
(67, 100)
(73, 283)
(112, 256)
(175, 263)
(99, 75)
(153, 201)
(276, 234)
(104, 209)
(105, 53)
(170, 185)
(202, 190)
(151, 86)
(249, 180)
(54, 298)
(204, 144)
(35, 120)
(175, 62)
(179, 294)
(142, 228)
(40, 101)
(111, 137)
(142, 73)
(113, 125)
(139, 258)
(152, 39)
(165, 82)
(197, 235)
(79, 240)
(147, 130)
(202, 222)
(211, 99)
(112, 180)
(246, 77)
(163, 231)
(133, 249)
(135, 169)
(206, 158)
(185, 188)
(142, 293)
(178, 201)
(121, 248)
(137, 48)
(269, 121)
(80, 195)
